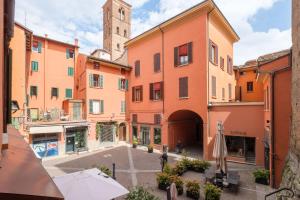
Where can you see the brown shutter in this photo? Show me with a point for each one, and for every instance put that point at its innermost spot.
(133, 94)
(183, 87)
(217, 55)
(214, 86)
(162, 90)
(157, 62)
(141, 92)
(176, 56)
(209, 49)
(190, 52)
(137, 68)
(151, 91)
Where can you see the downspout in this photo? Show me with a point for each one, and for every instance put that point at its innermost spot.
(272, 128)
(163, 64)
(45, 47)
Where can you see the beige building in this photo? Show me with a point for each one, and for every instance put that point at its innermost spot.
(117, 27)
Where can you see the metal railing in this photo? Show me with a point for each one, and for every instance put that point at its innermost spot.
(288, 193)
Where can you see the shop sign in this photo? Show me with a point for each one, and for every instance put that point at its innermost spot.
(238, 133)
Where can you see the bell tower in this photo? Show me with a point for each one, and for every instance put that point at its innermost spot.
(116, 27)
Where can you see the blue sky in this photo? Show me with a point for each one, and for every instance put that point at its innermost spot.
(264, 26)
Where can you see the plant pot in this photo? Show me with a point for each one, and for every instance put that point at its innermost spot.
(180, 191)
(150, 150)
(214, 199)
(192, 195)
(162, 186)
(134, 145)
(262, 181)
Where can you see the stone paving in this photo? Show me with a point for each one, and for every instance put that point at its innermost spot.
(137, 167)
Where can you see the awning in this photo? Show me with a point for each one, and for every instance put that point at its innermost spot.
(46, 129)
(82, 125)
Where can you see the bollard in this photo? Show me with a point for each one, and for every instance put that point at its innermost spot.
(114, 171)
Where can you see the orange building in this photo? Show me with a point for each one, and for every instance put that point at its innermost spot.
(102, 84)
(183, 71)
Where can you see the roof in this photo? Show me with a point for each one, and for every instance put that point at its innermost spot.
(196, 8)
(23, 27)
(109, 63)
(102, 50)
(127, 4)
(57, 41)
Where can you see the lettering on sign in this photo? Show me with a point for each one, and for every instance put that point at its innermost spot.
(237, 133)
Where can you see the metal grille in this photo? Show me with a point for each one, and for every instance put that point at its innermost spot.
(107, 133)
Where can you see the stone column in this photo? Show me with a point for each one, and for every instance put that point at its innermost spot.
(291, 175)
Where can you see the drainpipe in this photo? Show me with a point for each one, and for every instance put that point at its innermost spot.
(163, 64)
(45, 47)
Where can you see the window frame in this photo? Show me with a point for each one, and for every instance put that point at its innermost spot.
(71, 71)
(250, 86)
(34, 66)
(67, 92)
(154, 134)
(137, 90)
(33, 89)
(183, 94)
(52, 92)
(137, 68)
(91, 106)
(213, 57)
(188, 57)
(153, 92)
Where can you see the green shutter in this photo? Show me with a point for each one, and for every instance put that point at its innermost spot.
(126, 85)
(34, 66)
(101, 81)
(68, 53)
(70, 71)
(119, 84)
(91, 80)
(102, 106)
(40, 47)
(68, 93)
(91, 106)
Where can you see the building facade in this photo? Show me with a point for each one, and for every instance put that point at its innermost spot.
(183, 71)
(116, 27)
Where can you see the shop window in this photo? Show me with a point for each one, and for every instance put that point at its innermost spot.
(235, 146)
(69, 94)
(54, 92)
(156, 90)
(183, 87)
(137, 93)
(33, 91)
(123, 84)
(96, 81)
(34, 66)
(96, 107)
(214, 87)
(37, 46)
(70, 71)
(183, 54)
(250, 86)
(69, 53)
(213, 53)
(157, 136)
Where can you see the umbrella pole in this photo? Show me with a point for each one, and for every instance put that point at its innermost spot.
(114, 171)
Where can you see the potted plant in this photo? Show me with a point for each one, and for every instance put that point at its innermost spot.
(262, 176)
(150, 148)
(140, 193)
(167, 169)
(163, 181)
(200, 165)
(212, 192)
(193, 189)
(105, 170)
(178, 182)
(134, 143)
(179, 169)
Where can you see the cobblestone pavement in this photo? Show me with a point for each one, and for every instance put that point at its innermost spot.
(137, 167)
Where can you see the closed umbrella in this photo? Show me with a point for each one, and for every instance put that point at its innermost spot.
(173, 191)
(220, 149)
(89, 184)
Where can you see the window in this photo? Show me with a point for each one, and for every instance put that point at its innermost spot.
(123, 107)
(137, 66)
(96, 106)
(157, 62)
(118, 46)
(134, 118)
(34, 66)
(229, 91)
(213, 53)
(229, 65)
(214, 87)
(125, 33)
(122, 14)
(70, 71)
(33, 90)
(222, 63)
(54, 92)
(96, 80)
(137, 93)
(69, 94)
(69, 53)
(242, 73)
(157, 119)
(183, 87)
(37, 46)
(223, 93)
(123, 84)
(156, 91)
(96, 65)
(157, 135)
(250, 86)
(118, 30)
(183, 54)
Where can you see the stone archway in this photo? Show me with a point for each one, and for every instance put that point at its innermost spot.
(186, 127)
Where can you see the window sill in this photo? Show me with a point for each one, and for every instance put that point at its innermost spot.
(156, 100)
(96, 87)
(250, 91)
(137, 101)
(182, 65)
(96, 113)
(214, 97)
(184, 98)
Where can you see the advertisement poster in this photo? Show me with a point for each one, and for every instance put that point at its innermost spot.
(46, 148)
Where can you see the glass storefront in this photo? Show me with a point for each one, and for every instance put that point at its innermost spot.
(157, 135)
(243, 147)
(76, 140)
(145, 136)
(45, 145)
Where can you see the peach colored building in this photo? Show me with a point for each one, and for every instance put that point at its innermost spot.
(183, 71)
(101, 84)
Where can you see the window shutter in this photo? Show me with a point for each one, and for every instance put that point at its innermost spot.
(190, 52)
(217, 55)
(31, 91)
(176, 56)
(119, 84)
(157, 62)
(101, 81)
(32, 66)
(183, 87)
(102, 106)
(133, 94)
(57, 92)
(40, 47)
(91, 106)
(68, 53)
(141, 93)
(210, 49)
(91, 80)
(162, 90)
(137, 68)
(126, 84)
(214, 85)
(151, 91)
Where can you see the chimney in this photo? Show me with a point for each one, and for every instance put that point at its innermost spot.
(76, 42)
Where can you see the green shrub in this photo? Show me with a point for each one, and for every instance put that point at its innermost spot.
(139, 193)
(167, 169)
(212, 192)
(193, 189)
(178, 182)
(188, 163)
(200, 165)
(105, 170)
(262, 176)
(163, 180)
(150, 148)
(179, 169)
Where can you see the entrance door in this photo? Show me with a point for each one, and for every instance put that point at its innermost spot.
(250, 150)
(70, 144)
(122, 133)
(76, 111)
(145, 136)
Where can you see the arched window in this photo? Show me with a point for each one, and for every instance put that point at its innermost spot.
(118, 46)
(125, 33)
(122, 14)
(118, 30)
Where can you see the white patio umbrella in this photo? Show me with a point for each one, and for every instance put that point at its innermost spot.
(89, 184)
(220, 148)
(173, 191)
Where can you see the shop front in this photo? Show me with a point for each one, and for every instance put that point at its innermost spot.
(106, 132)
(76, 139)
(45, 145)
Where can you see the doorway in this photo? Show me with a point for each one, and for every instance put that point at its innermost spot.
(145, 136)
(122, 132)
